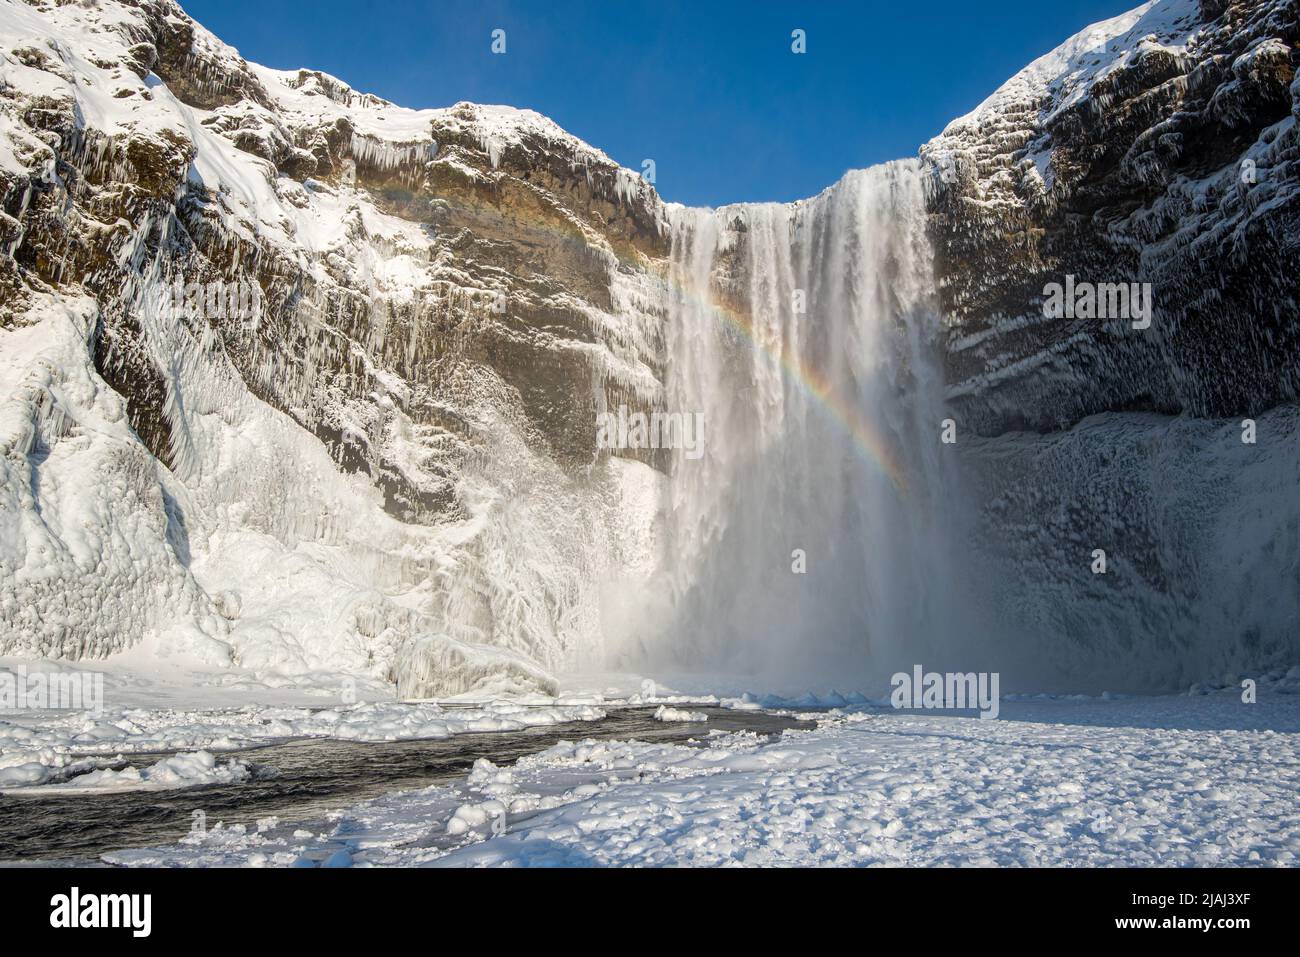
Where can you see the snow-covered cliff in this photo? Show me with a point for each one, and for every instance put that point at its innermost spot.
(1158, 147)
(380, 464)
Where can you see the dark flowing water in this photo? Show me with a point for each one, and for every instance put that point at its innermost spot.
(302, 780)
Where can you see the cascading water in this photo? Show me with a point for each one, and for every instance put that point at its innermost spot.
(808, 336)
(805, 335)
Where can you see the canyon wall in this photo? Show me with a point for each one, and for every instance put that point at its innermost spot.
(298, 381)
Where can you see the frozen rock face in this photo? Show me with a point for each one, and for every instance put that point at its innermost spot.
(322, 369)
(1159, 147)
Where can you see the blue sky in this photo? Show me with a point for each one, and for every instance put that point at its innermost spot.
(709, 90)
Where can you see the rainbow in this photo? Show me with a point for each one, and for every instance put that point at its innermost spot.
(865, 439)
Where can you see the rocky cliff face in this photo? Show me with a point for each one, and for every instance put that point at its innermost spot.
(1157, 148)
(1160, 147)
(430, 306)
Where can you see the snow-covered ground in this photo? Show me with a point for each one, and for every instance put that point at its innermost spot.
(41, 751)
(192, 769)
(200, 712)
(1193, 779)
(1200, 778)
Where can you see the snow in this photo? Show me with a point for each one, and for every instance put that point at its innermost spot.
(137, 729)
(1067, 74)
(1009, 124)
(193, 769)
(666, 713)
(233, 711)
(254, 551)
(1202, 780)
(84, 527)
(391, 136)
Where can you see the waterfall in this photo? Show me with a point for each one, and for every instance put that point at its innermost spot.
(806, 334)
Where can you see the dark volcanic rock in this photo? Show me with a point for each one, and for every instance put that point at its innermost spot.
(1161, 148)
